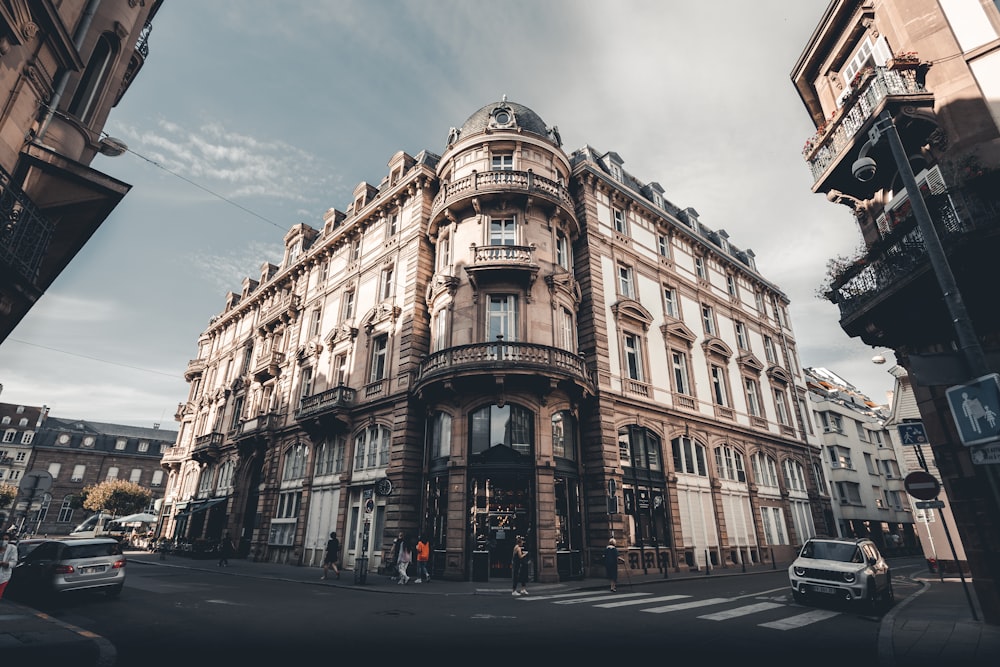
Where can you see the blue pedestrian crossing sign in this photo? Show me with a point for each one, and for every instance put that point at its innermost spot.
(912, 433)
(976, 409)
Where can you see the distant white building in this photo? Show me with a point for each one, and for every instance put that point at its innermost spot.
(862, 463)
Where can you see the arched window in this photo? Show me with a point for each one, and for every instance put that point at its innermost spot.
(642, 447)
(689, 456)
(795, 478)
(225, 476)
(729, 464)
(94, 78)
(371, 447)
(508, 425)
(765, 470)
(564, 435)
(295, 462)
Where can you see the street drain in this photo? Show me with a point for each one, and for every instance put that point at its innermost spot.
(394, 612)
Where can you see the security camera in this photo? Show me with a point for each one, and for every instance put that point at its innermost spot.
(863, 169)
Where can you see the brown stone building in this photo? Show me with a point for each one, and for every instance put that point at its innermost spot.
(63, 66)
(502, 339)
(905, 96)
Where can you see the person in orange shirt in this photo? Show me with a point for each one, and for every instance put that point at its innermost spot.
(423, 557)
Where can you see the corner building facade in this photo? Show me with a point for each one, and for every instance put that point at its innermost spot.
(502, 340)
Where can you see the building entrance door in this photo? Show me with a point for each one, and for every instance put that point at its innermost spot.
(500, 511)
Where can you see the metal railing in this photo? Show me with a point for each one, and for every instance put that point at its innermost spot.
(24, 232)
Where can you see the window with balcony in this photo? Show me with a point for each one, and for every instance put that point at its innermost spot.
(503, 231)
(626, 288)
(689, 456)
(508, 425)
(377, 362)
(868, 54)
(564, 435)
(632, 345)
(729, 464)
(679, 368)
(439, 338)
(501, 317)
(643, 447)
(502, 161)
(567, 330)
(339, 370)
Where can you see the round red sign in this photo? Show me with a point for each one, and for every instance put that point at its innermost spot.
(922, 485)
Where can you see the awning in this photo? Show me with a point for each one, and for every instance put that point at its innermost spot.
(204, 505)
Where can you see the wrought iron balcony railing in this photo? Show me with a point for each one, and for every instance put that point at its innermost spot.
(901, 252)
(821, 151)
(24, 233)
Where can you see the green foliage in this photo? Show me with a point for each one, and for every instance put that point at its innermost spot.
(8, 492)
(117, 497)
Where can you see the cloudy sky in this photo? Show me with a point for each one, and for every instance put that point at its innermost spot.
(251, 116)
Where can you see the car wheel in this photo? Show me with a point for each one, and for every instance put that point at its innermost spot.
(798, 597)
(115, 591)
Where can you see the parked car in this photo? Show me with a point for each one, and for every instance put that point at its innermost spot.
(59, 566)
(27, 545)
(841, 569)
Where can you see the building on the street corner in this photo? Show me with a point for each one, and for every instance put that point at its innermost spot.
(77, 453)
(63, 66)
(501, 339)
(19, 424)
(863, 464)
(905, 97)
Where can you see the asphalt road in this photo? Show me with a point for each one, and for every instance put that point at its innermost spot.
(190, 618)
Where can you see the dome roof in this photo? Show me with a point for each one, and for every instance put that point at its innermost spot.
(504, 115)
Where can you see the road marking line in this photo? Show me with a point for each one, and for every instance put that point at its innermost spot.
(625, 603)
(686, 605)
(529, 598)
(741, 611)
(610, 596)
(800, 620)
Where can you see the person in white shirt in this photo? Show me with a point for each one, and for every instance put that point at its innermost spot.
(8, 559)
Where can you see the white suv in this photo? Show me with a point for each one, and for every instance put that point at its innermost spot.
(841, 569)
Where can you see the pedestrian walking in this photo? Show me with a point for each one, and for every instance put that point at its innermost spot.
(611, 560)
(423, 558)
(404, 554)
(331, 556)
(8, 559)
(519, 568)
(226, 549)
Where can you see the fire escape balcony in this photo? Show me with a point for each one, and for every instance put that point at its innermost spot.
(481, 186)
(206, 447)
(464, 366)
(877, 292)
(831, 152)
(268, 366)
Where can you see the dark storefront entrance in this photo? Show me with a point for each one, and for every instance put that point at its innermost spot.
(500, 508)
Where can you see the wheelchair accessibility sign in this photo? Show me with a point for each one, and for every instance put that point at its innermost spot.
(976, 409)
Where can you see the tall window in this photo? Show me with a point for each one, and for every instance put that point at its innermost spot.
(741, 336)
(643, 446)
(670, 301)
(633, 357)
(663, 245)
(94, 78)
(315, 321)
(371, 447)
(753, 396)
(769, 354)
(773, 521)
(795, 477)
(380, 347)
(765, 470)
(296, 458)
(731, 285)
(440, 435)
(619, 220)
(678, 361)
(347, 306)
(689, 456)
(501, 318)
(440, 330)
(307, 382)
(564, 435)
(562, 251)
(729, 464)
(493, 425)
(719, 392)
(699, 268)
(708, 320)
(625, 286)
(386, 289)
(340, 369)
(567, 330)
(392, 223)
(502, 231)
(781, 407)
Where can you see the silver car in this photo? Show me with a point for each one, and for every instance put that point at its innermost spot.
(63, 565)
(841, 569)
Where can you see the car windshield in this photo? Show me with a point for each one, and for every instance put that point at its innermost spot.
(90, 550)
(847, 553)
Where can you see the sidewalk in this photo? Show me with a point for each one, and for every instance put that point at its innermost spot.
(935, 626)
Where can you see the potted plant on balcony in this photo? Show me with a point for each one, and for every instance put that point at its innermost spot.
(904, 60)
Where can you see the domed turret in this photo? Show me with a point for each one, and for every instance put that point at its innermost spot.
(504, 116)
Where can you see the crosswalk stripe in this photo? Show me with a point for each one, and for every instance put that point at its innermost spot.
(626, 603)
(741, 611)
(686, 605)
(800, 620)
(614, 596)
(529, 598)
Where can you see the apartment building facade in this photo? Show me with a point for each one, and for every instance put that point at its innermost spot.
(502, 339)
(905, 96)
(63, 66)
(18, 426)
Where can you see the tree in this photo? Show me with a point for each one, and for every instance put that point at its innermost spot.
(8, 492)
(117, 497)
